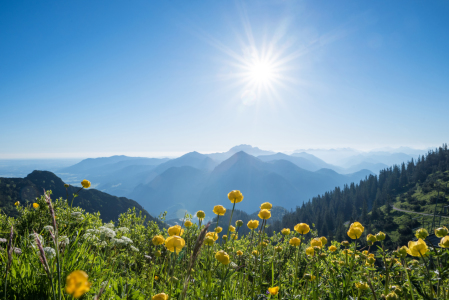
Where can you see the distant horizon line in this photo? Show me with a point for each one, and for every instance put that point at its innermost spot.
(175, 154)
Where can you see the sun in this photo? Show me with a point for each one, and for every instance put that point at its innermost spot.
(261, 72)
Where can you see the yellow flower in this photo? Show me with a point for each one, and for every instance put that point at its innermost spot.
(345, 243)
(200, 215)
(441, 232)
(273, 290)
(234, 236)
(212, 235)
(380, 236)
(372, 238)
(175, 230)
(219, 210)
(278, 248)
(235, 196)
(402, 252)
(85, 183)
(363, 286)
(231, 228)
(421, 233)
(35, 205)
(218, 229)
(158, 240)
(417, 248)
(316, 242)
(17, 203)
(174, 243)
(323, 240)
(161, 296)
(239, 223)
(156, 277)
(294, 241)
(346, 251)
(264, 214)
(77, 283)
(222, 257)
(266, 205)
(239, 253)
(444, 243)
(285, 231)
(310, 251)
(188, 223)
(371, 260)
(224, 237)
(391, 296)
(355, 230)
(332, 248)
(302, 228)
(253, 224)
(209, 241)
(255, 253)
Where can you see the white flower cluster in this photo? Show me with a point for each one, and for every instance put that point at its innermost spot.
(49, 228)
(106, 232)
(123, 229)
(32, 238)
(49, 252)
(91, 238)
(63, 241)
(123, 241)
(78, 216)
(134, 249)
(109, 225)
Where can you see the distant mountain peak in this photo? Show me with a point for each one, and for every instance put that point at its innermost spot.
(246, 148)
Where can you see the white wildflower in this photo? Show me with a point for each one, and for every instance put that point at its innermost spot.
(49, 228)
(49, 252)
(123, 229)
(63, 241)
(126, 240)
(33, 239)
(106, 232)
(134, 249)
(109, 225)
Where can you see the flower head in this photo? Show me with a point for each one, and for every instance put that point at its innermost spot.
(253, 224)
(380, 236)
(421, 233)
(441, 232)
(85, 183)
(161, 296)
(418, 248)
(316, 242)
(264, 214)
(200, 215)
(17, 203)
(218, 229)
(219, 210)
(285, 231)
(273, 290)
(266, 205)
(77, 283)
(222, 257)
(355, 230)
(188, 223)
(302, 228)
(294, 241)
(235, 196)
(35, 205)
(323, 240)
(371, 238)
(332, 248)
(175, 230)
(212, 235)
(255, 253)
(444, 243)
(239, 223)
(231, 228)
(310, 251)
(239, 253)
(363, 286)
(174, 243)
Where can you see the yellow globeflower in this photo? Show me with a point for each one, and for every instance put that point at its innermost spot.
(417, 248)
(302, 228)
(231, 228)
(85, 183)
(200, 215)
(273, 290)
(294, 241)
(209, 241)
(421, 233)
(188, 223)
(316, 242)
(175, 230)
(285, 231)
(264, 214)
(323, 240)
(239, 253)
(255, 253)
(310, 251)
(363, 286)
(161, 296)
(219, 210)
(253, 224)
(266, 205)
(371, 238)
(222, 257)
(212, 235)
(332, 248)
(175, 243)
(35, 205)
(77, 283)
(158, 240)
(380, 236)
(17, 203)
(218, 229)
(441, 232)
(355, 230)
(444, 243)
(235, 196)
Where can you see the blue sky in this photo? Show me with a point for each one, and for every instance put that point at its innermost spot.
(154, 78)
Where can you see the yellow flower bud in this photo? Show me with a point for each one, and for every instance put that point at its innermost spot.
(421, 233)
(85, 183)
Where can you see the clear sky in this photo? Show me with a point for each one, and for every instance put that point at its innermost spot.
(93, 78)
